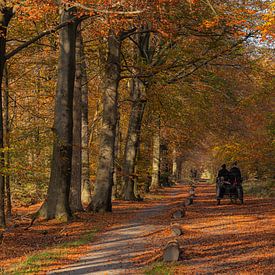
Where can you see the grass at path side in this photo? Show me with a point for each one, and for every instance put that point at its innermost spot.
(159, 268)
(40, 262)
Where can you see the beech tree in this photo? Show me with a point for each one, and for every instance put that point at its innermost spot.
(142, 55)
(194, 37)
(57, 203)
(76, 174)
(6, 14)
(101, 201)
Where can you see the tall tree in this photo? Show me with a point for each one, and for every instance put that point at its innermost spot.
(7, 141)
(141, 56)
(56, 204)
(6, 14)
(138, 98)
(155, 183)
(85, 177)
(75, 190)
(102, 198)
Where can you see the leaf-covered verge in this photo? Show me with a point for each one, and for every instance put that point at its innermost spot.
(51, 245)
(159, 268)
(260, 188)
(40, 261)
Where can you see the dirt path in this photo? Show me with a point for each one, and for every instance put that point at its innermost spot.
(123, 249)
(226, 239)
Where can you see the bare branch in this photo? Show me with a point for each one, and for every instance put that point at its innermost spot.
(41, 35)
(95, 10)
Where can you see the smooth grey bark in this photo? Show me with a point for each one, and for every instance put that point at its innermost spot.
(179, 169)
(56, 204)
(102, 198)
(116, 178)
(7, 143)
(174, 164)
(85, 184)
(155, 183)
(133, 138)
(6, 14)
(141, 55)
(75, 190)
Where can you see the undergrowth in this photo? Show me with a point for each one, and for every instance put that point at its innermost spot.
(262, 189)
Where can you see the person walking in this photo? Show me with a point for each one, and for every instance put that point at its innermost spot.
(223, 175)
(236, 180)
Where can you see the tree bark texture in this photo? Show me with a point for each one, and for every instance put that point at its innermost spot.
(174, 165)
(75, 190)
(86, 185)
(6, 14)
(133, 137)
(57, 203)
(116, 178)
(102, 198)
(179, 169)
(142, 54)
(155, 183)
(7, 142)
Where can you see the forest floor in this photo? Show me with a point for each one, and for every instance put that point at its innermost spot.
(225, 239)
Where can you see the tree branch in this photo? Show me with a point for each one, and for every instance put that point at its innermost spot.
(41, 35)
(78, 5)
(205, 62)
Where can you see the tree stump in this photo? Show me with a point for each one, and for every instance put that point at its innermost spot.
(176, 230)
(178, 214)
(171, 251)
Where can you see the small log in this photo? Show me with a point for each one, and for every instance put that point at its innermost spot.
(171, 251)
(176, 230)
(189, 201)
(178, 214)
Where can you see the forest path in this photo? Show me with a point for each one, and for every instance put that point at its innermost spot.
(225, 239)
(230, 238)
(121, 249)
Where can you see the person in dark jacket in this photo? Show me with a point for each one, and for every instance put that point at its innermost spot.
(236, 179)
(224, 173)
(235, 174)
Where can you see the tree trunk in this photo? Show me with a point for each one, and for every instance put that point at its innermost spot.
(133, 138)
(102, 199)
(75, 190)
(174, 165)
(155, 183)
(179, 169)
(86, 186)
(7, 143)
(117, 182)
(6, 14)
(57, 203)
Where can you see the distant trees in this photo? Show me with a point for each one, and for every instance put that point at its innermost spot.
(165, 68)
